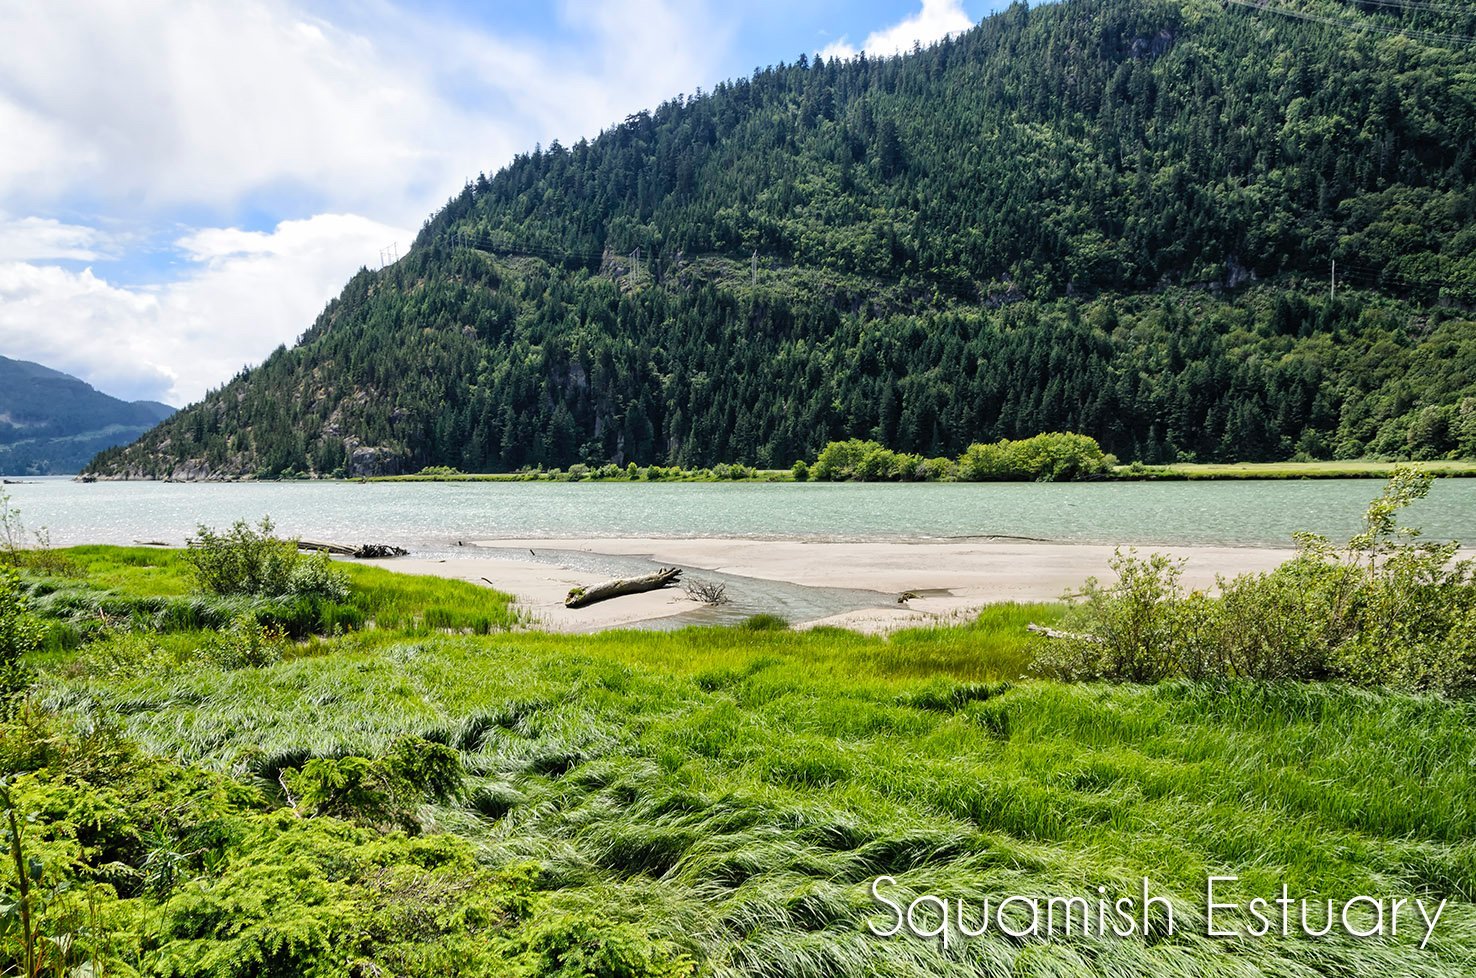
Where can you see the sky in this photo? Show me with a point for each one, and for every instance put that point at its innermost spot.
(184, 184)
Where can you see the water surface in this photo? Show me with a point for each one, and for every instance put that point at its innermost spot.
(434, 516)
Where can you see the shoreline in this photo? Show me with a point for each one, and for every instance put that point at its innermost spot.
(1135, 472)
(854, 585)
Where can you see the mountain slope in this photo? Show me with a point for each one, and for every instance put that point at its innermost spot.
(1117, 217)
(52, 423)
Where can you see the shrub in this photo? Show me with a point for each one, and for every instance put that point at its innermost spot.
(20, 634)
(708, 592)
(938, 470)
(593, 946)
(247, 644)
(251, 561)
(983, 463)
(839, 460)
(1383, 610)
(800, 471)
(877, 464)
(725, 471)
(1051, 457)
(314, 576)
(379, 792)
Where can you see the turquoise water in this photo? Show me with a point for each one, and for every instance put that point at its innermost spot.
(432, 516)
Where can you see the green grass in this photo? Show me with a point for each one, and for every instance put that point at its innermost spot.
(423, 604)
(1351, 469)
(158, 583)
(734, 791)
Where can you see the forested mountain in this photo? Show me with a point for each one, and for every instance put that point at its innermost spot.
(51, 422)
(1118, 217)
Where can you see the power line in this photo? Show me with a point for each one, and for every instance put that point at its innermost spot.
(1456, 10)
(1359, 25)
(1350, 271)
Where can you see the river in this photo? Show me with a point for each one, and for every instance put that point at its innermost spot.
(433, 516)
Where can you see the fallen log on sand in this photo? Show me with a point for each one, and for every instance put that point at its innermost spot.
(337, 549)
(581, 596)
(1057, 633)
(364, 551)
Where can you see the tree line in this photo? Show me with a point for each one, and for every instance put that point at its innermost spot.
(1096, 216)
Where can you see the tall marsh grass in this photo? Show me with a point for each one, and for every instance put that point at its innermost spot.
(735, 792)
(705, 802)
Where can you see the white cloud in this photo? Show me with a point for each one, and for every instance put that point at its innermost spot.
(247, 293)
(147, 104)
(78, 323)
(33, 238)
(165, 115)
(936, 20)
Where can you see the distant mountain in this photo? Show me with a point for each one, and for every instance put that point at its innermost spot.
(1116, 217)
(51, 423)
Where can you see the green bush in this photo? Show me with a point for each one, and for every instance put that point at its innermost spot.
(381, 792)
(593, 946)
(251, 561)
(20, 634)
(938, 470)
(1383, 610)
(247, 644)
(314, 576)
(1052, 457)
(840, 460)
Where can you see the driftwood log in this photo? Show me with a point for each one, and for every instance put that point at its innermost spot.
(620, 586)
(1057, 633)
(364, 551)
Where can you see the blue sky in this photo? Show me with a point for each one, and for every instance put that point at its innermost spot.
(186, 183)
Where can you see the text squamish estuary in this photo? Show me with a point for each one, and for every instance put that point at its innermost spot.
(1141, 912)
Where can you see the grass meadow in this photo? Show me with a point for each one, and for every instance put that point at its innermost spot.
(718, 801)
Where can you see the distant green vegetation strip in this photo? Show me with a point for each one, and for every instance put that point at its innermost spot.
(1350, 469)
(600, 473)
(1051, 457)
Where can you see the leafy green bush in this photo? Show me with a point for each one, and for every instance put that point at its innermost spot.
(314, 576)
(20, 634)
(839, 460)
(1383, 610)
(251, 561)
(938, 470)
(247, 644)
(1052, 457)
(380, 792)
(592, 946)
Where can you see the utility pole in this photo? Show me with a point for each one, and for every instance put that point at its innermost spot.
(1332, 285)
(754, 267)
